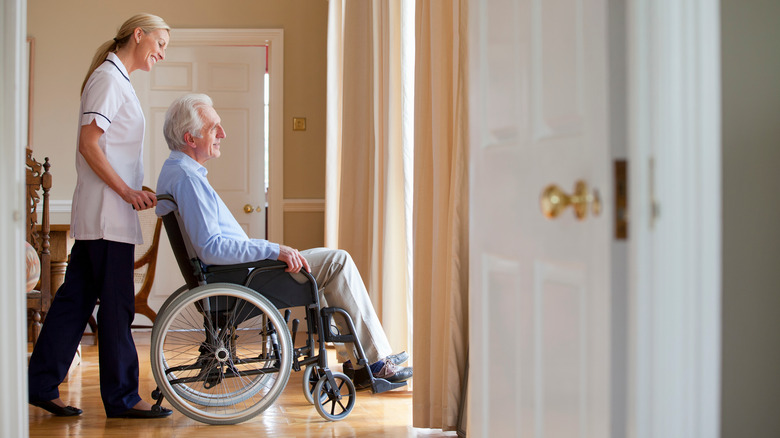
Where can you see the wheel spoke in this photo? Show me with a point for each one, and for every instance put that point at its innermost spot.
(335, 405)
(222, 347)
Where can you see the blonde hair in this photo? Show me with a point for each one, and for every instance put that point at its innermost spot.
(147, 23)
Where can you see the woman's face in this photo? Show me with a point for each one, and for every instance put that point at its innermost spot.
(151, 48)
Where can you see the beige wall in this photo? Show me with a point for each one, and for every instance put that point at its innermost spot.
(68, 32)
(750, 33)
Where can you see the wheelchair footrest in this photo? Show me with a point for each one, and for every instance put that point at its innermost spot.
(381, 385)
(364, 380)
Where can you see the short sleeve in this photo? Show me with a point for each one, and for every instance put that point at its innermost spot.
(101, 100)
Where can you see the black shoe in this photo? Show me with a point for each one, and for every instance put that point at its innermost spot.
(155, 412)
(393, 373)
(348, 370)
(67, 411)
(390, 372)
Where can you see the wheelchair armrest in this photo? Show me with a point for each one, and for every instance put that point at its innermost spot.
(269, 264)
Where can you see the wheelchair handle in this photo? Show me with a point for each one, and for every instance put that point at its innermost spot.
(166, 197)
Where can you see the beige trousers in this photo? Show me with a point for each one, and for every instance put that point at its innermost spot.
(340, 285)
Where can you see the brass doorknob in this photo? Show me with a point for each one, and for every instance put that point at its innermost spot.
(554, 200)
(248, 209)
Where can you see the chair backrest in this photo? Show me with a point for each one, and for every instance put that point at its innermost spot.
(188, 262)
(146, 253)
(39, 182)
(146, 259)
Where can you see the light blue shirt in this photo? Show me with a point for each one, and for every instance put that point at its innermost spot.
(217, 237)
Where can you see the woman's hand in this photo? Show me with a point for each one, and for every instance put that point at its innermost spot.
(295, 261)
(140, 199)
(89, 148)
(94, 156)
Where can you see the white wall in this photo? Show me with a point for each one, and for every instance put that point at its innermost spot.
(751, 218)
(66, 39)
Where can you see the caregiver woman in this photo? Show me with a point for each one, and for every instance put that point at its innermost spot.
(104, 223)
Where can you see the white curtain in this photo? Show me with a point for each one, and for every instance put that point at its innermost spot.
(440, 213)
(388, 186)
(368, 177)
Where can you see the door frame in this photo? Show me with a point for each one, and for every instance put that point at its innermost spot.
(274, 39)
(675, 218)
(14, 417)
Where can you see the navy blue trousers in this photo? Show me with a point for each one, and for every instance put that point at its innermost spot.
(98, 269)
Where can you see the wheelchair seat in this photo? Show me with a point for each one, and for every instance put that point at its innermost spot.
(221, 352)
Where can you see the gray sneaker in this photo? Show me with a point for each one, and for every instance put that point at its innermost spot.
(395, 359)
(398, 358)
(394, 373)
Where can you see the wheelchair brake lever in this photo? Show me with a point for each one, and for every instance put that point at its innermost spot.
(294, 329)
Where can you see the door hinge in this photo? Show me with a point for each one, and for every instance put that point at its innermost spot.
(621, 199)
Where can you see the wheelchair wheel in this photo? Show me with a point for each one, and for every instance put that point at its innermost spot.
(335, 403)
(221, 353)
(311, 375)
(181, 290)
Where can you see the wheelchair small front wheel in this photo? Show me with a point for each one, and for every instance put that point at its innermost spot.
(311, 375)
(335, 403)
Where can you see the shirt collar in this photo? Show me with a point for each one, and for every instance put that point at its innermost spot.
(112, 58)
(188, 162)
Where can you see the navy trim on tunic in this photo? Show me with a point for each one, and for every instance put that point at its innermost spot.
(120, 70)
(101, 115)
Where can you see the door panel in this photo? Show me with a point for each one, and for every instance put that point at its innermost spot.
(540, 291)
(233, 78)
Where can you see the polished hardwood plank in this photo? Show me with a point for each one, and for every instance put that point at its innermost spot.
(388, 414)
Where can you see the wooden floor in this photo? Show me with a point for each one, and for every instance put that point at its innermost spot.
(388, 414)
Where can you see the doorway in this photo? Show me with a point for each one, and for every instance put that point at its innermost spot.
(241, 71)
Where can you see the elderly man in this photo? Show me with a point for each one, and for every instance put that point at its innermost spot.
(194, 132)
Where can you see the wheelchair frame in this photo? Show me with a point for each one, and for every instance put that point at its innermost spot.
(325, 393)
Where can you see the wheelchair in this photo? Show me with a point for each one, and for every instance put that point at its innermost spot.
(222, 353)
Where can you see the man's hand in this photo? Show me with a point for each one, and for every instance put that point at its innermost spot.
(295, 261)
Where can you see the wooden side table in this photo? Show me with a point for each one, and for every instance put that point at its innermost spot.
(59, 250)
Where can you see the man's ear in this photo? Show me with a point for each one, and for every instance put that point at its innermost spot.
(189, 139)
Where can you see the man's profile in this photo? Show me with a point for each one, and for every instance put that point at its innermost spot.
(194, 133)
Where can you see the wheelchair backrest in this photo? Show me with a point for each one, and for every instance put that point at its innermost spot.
(188, 262)
(268, 277)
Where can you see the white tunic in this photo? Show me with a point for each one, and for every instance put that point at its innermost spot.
(99, 212)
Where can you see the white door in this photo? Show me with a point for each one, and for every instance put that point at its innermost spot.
(234, 78)
(540, 289)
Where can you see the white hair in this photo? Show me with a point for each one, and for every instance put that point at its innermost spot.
(182, 117)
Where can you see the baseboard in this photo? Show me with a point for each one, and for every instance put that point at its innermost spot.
(141, 336)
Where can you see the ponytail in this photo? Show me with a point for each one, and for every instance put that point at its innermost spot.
(147, 23)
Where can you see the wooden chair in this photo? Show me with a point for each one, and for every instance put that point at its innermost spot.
(39, 182)
(146, 261)
(145, 266)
